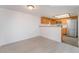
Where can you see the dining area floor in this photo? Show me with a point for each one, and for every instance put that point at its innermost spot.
(38, 45)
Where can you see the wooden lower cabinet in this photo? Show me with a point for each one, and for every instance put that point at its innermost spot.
(64, 31)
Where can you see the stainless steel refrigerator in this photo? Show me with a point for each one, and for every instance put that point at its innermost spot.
(72, 27)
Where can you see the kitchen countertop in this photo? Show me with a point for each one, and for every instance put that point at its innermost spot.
(55, 25)
(51, 26)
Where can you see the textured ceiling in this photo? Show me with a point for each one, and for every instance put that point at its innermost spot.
(44, 10)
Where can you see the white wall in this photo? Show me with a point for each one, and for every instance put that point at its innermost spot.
(78, 30)
(78, 26)
(15, 26)
(53, 33)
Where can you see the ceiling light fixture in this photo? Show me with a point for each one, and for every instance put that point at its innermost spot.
(31, 7)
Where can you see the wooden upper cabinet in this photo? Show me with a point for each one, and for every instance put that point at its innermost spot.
(74, 17)
(58, 21)
(52, 21)
(45, 20)
(64, 21)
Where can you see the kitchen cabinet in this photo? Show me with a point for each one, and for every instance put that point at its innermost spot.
(45, 20)
(64, 21)
(52, 21)
(64, 31)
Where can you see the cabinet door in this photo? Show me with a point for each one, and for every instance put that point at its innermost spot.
(52, 21)
(44, 21)
(64, 21)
